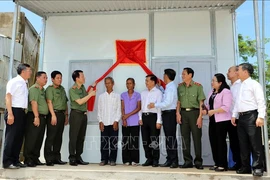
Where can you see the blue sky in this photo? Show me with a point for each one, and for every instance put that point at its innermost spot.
(245, 19)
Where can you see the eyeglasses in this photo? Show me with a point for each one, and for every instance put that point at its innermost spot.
(214, 80)
(28, 70)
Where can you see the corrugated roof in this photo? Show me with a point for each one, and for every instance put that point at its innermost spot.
(62, 7)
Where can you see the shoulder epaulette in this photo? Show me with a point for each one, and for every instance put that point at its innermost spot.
(198, 84)
(180, 83)
(73, 87)
(36, 86)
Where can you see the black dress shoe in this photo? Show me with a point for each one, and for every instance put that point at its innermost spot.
(58, 161)
(221, 169)
(21, 165)
(11, 167)
(200, 167)
(31, 164)
(186, 166)
(38, 163)
(213, 168)
(166, 164)
(244, 171)
(82, 162)
(234, 168)
(103, 163)
(73, 163)
(147, 163)
(49, 163)
(155, 164)
(257, 172)
(174, 165)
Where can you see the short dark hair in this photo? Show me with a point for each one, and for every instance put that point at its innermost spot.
(54, 73)
(221, 78)
(22, 67)
(152, 78)
(76, 74)
(247, 67)
(131, 79)
(170, 73)
(110, 78)
(39, 73)
(189, 71)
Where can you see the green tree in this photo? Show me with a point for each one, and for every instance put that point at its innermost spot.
(247, 50)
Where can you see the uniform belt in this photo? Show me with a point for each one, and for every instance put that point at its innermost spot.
(148, 114)
(19, 108)
(189, 109)
(247, 112)
(40, 115)
(168, 111)
(59, 111)
(79, 111)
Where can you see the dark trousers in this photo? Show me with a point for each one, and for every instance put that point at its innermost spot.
(130, 144)
(217, 136)
(109, 140)
(189, 121)
(33, 137)
(169, 126)
(150, 137)
(234, 144)
(250, 140)
(77, 130)
(14, 137)
(53, 140)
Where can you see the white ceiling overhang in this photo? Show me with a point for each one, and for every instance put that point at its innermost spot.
(67, 7)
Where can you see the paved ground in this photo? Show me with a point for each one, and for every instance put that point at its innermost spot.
(119, 172)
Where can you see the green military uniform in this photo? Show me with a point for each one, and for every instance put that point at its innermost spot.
(190, 97)
(34, 135)
(53, 140)
(77, 122)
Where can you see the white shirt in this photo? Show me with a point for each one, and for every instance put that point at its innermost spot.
(109, 108)
(147, 97)
(250, 97)
(17, 87)
(169, 100)
(234, 89)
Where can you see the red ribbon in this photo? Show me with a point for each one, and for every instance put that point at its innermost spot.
(131, 55)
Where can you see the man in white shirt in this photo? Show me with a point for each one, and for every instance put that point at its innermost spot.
(109, 113)
(168, 107)
(250, 107)
(232, 75)
(15, 118)
(150, 120)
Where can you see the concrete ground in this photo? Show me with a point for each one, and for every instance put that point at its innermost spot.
(119, 172)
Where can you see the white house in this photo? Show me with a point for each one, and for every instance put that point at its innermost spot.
(81, 35)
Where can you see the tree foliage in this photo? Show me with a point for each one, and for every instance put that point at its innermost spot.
(247, 50)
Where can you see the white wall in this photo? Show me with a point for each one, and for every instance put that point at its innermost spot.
(225, 47)
(92, 37)
(182, 33)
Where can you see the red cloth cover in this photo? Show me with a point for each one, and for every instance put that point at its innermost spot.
(127, 52)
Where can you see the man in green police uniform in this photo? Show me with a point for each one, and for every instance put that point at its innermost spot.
(57, 119)
(78, 117)
(188, 114)
(36, 121)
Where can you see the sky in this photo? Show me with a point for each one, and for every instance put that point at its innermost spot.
(245, 19)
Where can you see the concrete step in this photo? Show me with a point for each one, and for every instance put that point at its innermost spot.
(119, 172)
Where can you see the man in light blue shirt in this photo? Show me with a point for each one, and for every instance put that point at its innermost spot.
(168, 107)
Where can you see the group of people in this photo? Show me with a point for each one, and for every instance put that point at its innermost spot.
(238, 110)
